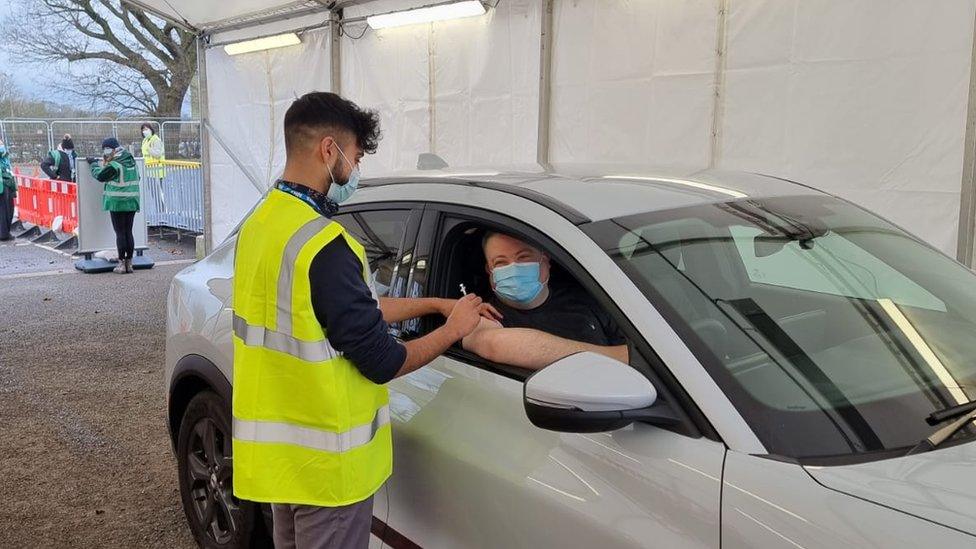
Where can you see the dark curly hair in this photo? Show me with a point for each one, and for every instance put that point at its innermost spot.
(315, 114)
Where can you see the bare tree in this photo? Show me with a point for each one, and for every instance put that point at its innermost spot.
(9, 95)
(135, 63)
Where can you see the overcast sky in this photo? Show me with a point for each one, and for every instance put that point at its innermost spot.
(22, 73)
(32, 79)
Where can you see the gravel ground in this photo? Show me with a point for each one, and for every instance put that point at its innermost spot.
(85, 458)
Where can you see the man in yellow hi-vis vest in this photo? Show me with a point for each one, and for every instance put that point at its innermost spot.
(312, 349)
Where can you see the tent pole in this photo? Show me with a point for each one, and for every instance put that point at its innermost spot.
(431, 92)
(335, 51)
(545, 87)
(205, 159)
(718, 97)
(966, 245)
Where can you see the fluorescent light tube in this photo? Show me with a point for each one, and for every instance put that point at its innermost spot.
(260, 44)
(455, 10)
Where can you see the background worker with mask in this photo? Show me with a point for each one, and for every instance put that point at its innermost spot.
(59, 164)
(312, 349)
(154, 156)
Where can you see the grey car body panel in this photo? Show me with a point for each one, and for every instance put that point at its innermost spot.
(767, 503)
(606, 196)
(463, 447)
(939, 485)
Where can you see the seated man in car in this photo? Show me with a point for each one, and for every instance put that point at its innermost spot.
(541, 321)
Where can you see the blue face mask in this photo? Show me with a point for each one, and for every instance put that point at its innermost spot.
(3, 149)
(518, 282)
(341, 193)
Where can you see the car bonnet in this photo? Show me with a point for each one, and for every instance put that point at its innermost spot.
(939, 486)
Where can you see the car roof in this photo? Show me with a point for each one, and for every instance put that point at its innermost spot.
(585, 194)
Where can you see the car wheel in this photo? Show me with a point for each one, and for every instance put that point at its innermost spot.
(217, 519)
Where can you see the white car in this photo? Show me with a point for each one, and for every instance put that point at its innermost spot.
(801, 373)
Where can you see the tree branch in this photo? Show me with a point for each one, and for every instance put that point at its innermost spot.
(133, 48)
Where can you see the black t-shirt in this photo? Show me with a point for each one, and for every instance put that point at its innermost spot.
(570, 313)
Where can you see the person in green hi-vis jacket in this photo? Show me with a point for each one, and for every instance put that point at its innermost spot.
(8, 190)
(120, 196)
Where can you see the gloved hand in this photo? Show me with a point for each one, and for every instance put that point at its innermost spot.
(91, 160)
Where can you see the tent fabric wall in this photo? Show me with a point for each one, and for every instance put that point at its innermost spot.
(466, 90)
(249, 95)
(863, 99)
(388, 73)
(632, 82)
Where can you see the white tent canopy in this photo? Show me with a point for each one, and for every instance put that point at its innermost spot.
(868, 100)
(208, 16)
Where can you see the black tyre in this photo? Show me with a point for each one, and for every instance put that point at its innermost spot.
(217, 519)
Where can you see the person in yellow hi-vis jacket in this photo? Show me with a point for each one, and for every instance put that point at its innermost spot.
(312, 348)
(154, 156)
(153, 152)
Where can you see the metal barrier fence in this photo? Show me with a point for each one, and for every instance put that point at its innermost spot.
(181, 139)
(173, 195)
(30, 140)
(87, 135)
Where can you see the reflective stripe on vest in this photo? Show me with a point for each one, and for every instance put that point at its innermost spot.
(311, 351)
(287, 273)
(309, 437)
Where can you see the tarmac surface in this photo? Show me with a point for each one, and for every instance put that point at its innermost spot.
(85, 459)
(20, 256)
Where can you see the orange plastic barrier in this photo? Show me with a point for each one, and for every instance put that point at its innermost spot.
(40, 200)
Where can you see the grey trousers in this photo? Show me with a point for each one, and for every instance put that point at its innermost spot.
(308, 527)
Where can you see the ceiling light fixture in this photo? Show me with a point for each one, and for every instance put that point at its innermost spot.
(261, 44)
(427, 14)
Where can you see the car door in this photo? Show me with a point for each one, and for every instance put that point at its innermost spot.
(470, 470)
(388, 233)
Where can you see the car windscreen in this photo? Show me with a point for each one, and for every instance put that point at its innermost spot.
(832, 331)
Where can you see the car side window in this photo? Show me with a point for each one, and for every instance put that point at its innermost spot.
(382, 233)
(570, 312)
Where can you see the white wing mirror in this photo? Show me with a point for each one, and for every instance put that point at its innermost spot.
(588, 392)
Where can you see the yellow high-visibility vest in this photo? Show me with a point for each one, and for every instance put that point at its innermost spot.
(155, 163)
(308, 428)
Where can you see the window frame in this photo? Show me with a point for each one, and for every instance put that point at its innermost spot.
(408, 240)
(431, 236)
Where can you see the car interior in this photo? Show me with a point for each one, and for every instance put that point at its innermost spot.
(840, 349)
(463, 263)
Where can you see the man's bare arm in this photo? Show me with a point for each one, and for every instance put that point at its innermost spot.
(531, 349)
(397, 309)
